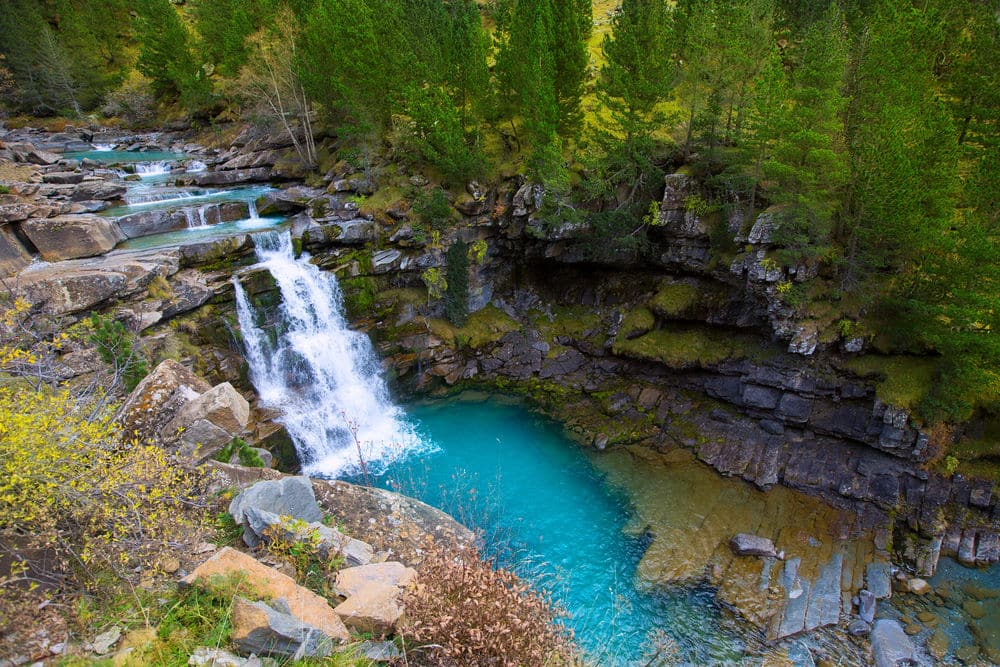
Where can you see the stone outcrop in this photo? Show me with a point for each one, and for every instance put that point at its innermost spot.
(351, 580)
(206, 423)
(157, 398)
(13, 255)
(269, 629)
(305, 606)
(72, 237)
(375, 609)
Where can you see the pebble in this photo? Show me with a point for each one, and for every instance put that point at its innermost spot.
(913, 629)
(858, 627)
(927, 618)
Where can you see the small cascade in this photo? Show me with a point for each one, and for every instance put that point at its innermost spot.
(103, 148)
(195, 166)
(202, 220)
(192, 218)
(322, 376)
(148, 169)
(252, 209)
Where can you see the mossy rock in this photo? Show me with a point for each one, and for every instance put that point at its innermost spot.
(675, 300)
(484, 326)
(685, 347)
(901, 380)
(637, 322)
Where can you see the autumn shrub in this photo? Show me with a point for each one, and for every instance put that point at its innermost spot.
(466, 612)
(77, 503)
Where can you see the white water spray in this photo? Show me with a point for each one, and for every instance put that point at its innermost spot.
(252, 209)
(323, 377)
(146, 169)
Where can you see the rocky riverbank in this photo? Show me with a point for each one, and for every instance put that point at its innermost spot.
(696, 349)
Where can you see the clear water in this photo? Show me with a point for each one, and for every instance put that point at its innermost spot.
(196, 234)
(124, 157)
(550, 513)
(144, 197)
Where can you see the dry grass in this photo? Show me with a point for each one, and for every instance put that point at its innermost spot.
(465, 612)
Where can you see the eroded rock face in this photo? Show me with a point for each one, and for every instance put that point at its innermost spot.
(13, 255)
(71, 237)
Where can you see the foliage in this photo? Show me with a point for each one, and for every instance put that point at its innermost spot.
(29, 343)
(435, 281)
(243, 451)
(68, 484)
(294, 542)
(438, 134)
(167, 55)
(456, 296)
(117, 347)
(433, 207)
(133, 100)
(466, 611)
(272, 87)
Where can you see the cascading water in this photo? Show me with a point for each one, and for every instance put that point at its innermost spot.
(146, 169)
(323, 377)
(252, 209)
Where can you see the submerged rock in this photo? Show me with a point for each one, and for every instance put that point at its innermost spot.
(890, 644)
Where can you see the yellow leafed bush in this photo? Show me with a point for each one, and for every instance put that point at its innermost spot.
(70, 485)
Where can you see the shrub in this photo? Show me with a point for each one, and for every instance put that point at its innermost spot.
(433, 208)
(71, 487)
(467, 612)
(115, 345)
(133, 100)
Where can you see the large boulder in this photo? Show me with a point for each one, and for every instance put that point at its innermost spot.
(146, 223)
(102, 190)
(263, 629)
(745, 544)
(375, 608)
(72, 236)
(160, 395)
(351, 580)
(301, 603)
(63, 177)
(205, 424)
(288, 496)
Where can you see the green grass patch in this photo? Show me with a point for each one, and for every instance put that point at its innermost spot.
(674, 299)
(382, 200)
(902, 380)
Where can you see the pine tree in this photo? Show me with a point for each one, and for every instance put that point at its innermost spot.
(166, 56)
(808, 160)
(636, 77)
(571, 29)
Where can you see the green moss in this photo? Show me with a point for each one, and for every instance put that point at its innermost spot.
(483, 326)
(689, 347)
(359, 295)
(903, 380)
(674, 299)
(636, 322)
(382, 200)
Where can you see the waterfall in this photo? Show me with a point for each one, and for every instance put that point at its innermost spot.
(195, 166)
(252, 208)
(145, 169)
(323, 377)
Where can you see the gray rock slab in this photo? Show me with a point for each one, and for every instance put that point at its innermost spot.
(824, 599)
(878, 579)
(289, 496)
